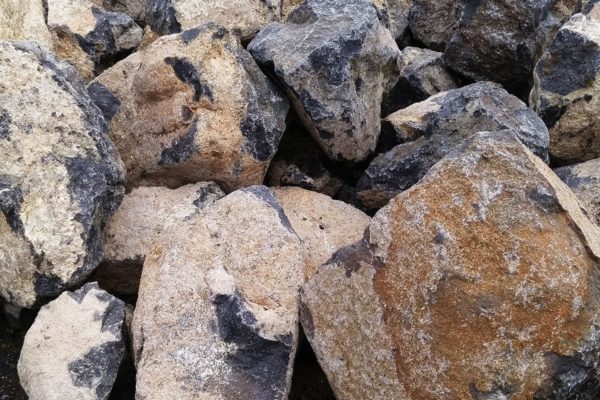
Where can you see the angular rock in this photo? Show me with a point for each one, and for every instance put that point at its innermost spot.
(566, 93)
(433, 22)
(75, 346)
(454, 294)
(584, 180)
(324, 225)
(136, 9)
(60, 176)
(343, 43)
(243, 18)
(395, 15)
(24, 20)
(88, 37)
(192, 107)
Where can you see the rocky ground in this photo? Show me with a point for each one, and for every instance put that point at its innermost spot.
(299, 199)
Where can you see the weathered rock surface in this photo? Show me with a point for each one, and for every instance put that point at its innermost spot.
(324, 225)
(584, 180)
(24, 20)
(394, 13)
(60, 176)
(434, 22)
(454, 294)
(244, 18)
(136, 9)
(176, 119)
(88, 37)
(428, 130)
(566, 93)
(343, 42)
(217, 310)
(75, 346)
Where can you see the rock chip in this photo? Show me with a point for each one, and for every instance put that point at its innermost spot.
(88, 37)
(337, 76)
(60, 176)
(24, 20)
(566, 93)
(584, 180)
(217, 310)
(75, 346)
(176, 119)
(242, 17)
(454, 294)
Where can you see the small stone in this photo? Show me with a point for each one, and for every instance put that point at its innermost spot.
(60, 176)
(566, 93)
(337, 77)
(454, 293)
(192, 107)
(584, 180)
(24, 20)
(75, 346)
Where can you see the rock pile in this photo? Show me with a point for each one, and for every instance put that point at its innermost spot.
(406, 193)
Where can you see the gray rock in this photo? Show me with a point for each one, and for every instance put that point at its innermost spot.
(336, 75)
(566, 93)
(74, 348)
(433, 22)
(136, 9)
(60, 176)
(584, 181)
(394, 13)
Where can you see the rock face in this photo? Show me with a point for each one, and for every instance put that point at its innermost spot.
(217, 310)
(60, 176)
(136, 9)
(24, 20)
(88, 37)
(242, 17)
(566, 92)
(176, 120)
(343, 41)
(75, 346)
(454, 294)
(584, 180)
(428, 130)
(395, 14)
(324, 225)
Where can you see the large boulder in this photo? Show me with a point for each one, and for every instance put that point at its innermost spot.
(337, 76)
(74, 348)
(454, 293)
(242, 17)
(192, 107)
(584, 180)
(60, 176)
(24, 20)
(217, 313)
(566, 93)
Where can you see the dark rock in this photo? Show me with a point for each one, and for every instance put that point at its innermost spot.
(584, 180)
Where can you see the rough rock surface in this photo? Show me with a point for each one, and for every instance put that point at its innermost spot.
(584, 180)
(60, 176)
(454, 294)
(217, 310)
(324, 225)
(176, 120)
(88, 37)
(75, 346)
(394, 13)
(566, 93)
(433, 22)
(242, 17)
(136, 9)
(430, 129)
(325, 75)
(24, 20)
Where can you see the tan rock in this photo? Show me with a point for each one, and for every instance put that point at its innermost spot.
(24, 20)
(584, 180)
(479, 282)
(176, 119)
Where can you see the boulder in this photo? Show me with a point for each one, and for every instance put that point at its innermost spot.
(24, 20)
(136, 9)
(433, 22)
(192, 107)
(88, 37)
(566, 93)
(60, 176)
(584, 181)
(343, 43)
(394, 13)
(453, 293)
(324, 225)
(217, 313)
(242, 17)
(75, 346)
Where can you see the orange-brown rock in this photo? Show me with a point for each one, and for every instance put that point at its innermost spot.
(480, 282)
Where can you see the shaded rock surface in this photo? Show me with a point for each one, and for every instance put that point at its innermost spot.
(192, 107)
(325, 75)
(454, 294)
(584, 180)
(24, 20)
(60, 176)
(394, 13)
(75, 346)
(136, 9)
